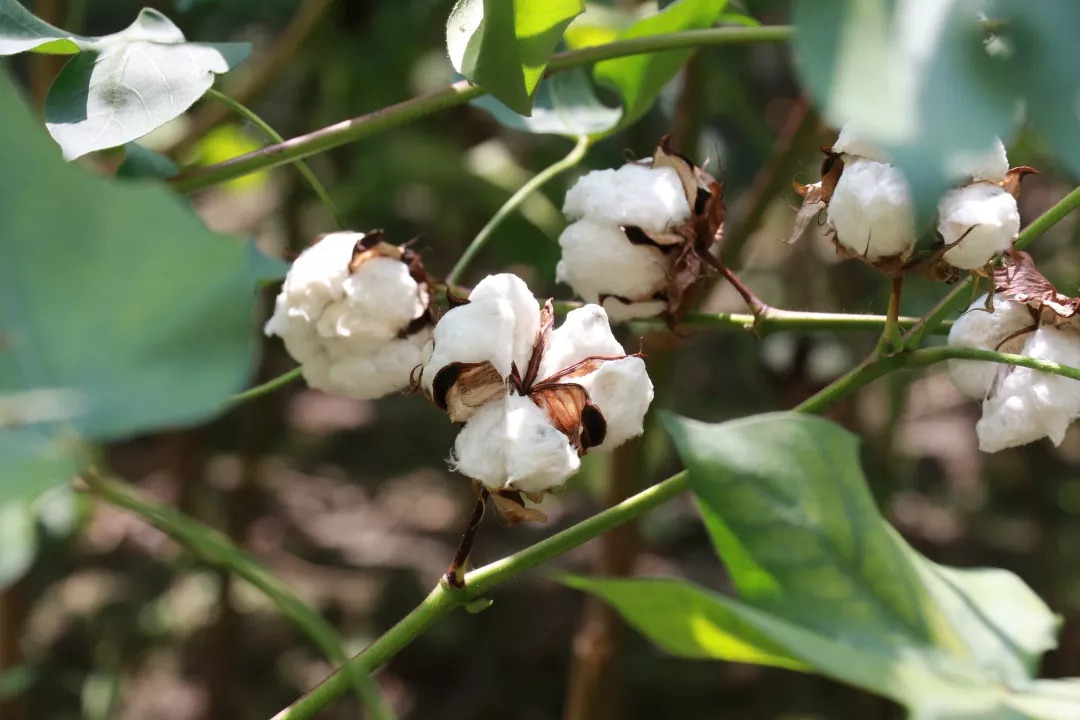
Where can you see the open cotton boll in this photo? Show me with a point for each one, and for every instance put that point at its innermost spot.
(598, 259)
(584, 333)
(380, 371)
(512, 290)
(989, 217)
(1027, 404)
(650, 198)
(380, 299)
(992, 165)
(510, 443)
(871, 210)
(978, 328)
(623, 391)
(315, 279)
(480, 331)
(853, 142)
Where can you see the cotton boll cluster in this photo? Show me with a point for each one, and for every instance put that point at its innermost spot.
(868, 205)
(353, 311)
(634, 234)
(533, 398)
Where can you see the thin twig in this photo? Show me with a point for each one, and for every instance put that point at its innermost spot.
(455, 575)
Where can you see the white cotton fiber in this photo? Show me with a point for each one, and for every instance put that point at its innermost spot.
(480, 331)
(977, 328)
(510, 443)
(856, 144)
(1026, 404)
(871, 210)
(512, 290)
(584, 333)
(992, 165)
(623, 392)
(598, 259)
(989, 217)
(652, 199)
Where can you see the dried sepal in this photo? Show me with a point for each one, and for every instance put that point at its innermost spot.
(1011, 183)
(816, 196)
(462, 388)
(511, 507)
(572, 413)
(1020, 281)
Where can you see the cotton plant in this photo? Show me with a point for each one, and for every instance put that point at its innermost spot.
(640, 235)
(870, 214)
(533, 398)
(1028, 317)
(355, 313)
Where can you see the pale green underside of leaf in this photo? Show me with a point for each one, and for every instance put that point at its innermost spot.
(825, 582)
(120, 312)
(118, 87)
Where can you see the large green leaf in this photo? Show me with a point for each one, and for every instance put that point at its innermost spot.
(118, 87)
(638, 79)
(916, 76)
(826, 582)
(120, 311)
(504, 46)
(565, 105)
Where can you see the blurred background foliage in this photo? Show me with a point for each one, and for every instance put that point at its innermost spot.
(351, 501)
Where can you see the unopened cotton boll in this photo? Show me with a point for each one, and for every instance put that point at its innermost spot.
(984, 216)
(977, 328)
(1027, 404)
(510, 443)
(653, 199)
(598, 259)
(340, 324)
(871, 210)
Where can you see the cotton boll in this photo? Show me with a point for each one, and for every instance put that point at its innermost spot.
(598, 259)
(1027, 404)
(315, 279)
(871, 210)
(854, 143)
(978, 328)
(623, 391)
(381, 371)
(512, 290)
(991, 166)
(480, 331)
(619, 311)
(584, 333)
(650, 198)
(510, 443)
(989, 217)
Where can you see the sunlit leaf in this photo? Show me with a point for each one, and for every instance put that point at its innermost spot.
(21, 30)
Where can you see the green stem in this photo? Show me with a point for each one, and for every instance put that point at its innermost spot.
(963, 291)
(216, 549)
(301, 166)
(891, 339)
(535, 183)
(456, 94)
(478, 583)
(267, 387)
(930, 356)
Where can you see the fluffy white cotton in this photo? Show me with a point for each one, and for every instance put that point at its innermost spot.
(989, 217)
(871, 210)
(853, 142)
(367, 371)
(623, 391)
(650, 198)
(510, 443)
(597, 259)
(584, 333)
(340, 325)
(1026, 404)
(619, 311)
(992, 165)
(977, 328)
(512, 290)
(480, 331)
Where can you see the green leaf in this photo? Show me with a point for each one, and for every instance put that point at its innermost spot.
(638, 79)
(21, 30)
(18, 540)
(926, 90)
(565, 105)
(126, 84)
(16, 680)
(120, 311)
(1048, 700)
(504, 46)
(827, 584)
